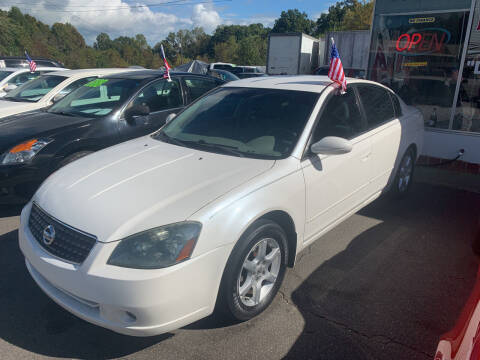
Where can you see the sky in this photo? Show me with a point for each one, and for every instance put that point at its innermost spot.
(156, 18)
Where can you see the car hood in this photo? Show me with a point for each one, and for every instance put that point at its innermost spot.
(139, 185)
(17, 128)
(8, 108)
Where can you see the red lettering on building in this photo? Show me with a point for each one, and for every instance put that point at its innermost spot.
(423, 42)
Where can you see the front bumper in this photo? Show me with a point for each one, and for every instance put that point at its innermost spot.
(128, 301)
(18, 183)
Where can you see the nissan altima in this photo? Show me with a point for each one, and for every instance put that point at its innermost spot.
(208, 212)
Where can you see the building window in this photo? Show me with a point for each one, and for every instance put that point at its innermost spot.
(467, 112)
(419, 56)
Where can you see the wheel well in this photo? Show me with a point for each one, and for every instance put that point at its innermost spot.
(286, 222)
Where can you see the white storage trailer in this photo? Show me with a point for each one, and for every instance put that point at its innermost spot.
(293, 54)
(353, 46)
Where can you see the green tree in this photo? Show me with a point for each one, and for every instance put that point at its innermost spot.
(294, 21)
(358, 16)
(251, 51)
(226, 51)
(103, 42)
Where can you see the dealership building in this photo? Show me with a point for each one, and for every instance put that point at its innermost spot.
(428, 51)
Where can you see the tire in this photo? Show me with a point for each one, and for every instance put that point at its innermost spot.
(404, 176)
(72, 158)
(239, 298)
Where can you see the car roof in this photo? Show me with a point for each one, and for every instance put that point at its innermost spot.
(90, 72)
(143, 74)
(26, 69)
(310, 83)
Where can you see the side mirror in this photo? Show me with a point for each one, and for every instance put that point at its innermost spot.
(170, 118)
(10, 88)
(59, 97)
(332, 145)
(136, 110)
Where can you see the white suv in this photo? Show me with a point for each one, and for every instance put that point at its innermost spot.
(149, 235)
(11, 78)
(47, 89)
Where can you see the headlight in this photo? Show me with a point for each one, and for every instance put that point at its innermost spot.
(23, 152)
(157, 248)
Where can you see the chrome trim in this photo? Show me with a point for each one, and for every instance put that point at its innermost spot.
(67, 226)
(62, 223)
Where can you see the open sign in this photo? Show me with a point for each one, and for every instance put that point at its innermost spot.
(421, 42)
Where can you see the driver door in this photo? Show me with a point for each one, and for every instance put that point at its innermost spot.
(162, 98)
(336, 184)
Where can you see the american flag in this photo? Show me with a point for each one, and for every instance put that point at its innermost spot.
(167, 67)
(336, 72)
(33, 64)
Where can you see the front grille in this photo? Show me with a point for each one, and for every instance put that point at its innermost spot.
(69, 244)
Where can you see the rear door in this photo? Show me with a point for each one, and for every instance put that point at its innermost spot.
(162, 98)
(384, 130)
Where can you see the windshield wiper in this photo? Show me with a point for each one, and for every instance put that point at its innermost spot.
(164, 137)
(64, 113)
(224, 148)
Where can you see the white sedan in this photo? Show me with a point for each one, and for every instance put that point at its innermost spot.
(155, 233)
(48, 88)
(11, 78)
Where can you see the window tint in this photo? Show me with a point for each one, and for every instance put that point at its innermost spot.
(197, 87)
(34, 90)
(340, 117)
(4, 74)
(161, 95)
(22, 78)
(377, 104)
(76, 84)
(258, 123)
(96, 98)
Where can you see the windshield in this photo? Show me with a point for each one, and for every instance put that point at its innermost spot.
(4, 74)
(96, 98)
(256, 123)
(34, 90)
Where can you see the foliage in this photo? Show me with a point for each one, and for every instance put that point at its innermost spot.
(294, 21)
(239, 44)
(346, 15)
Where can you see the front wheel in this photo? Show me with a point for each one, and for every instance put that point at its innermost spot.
(255, 271)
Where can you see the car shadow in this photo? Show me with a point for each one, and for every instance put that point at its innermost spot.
(395, 287)
(10, 210)
(31, 321)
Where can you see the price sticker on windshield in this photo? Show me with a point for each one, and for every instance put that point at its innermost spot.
(96, 83)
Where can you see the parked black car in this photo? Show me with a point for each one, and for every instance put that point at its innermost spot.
(101, 113)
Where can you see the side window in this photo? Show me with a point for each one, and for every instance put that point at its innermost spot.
(377, 103)
(196, 87)
(161, 95)
(396, 105)
(340, 117)
(22, 78)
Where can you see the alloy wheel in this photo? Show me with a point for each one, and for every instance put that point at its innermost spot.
(259, 272)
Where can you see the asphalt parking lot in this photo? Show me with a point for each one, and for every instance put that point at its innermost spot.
(385, 284)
